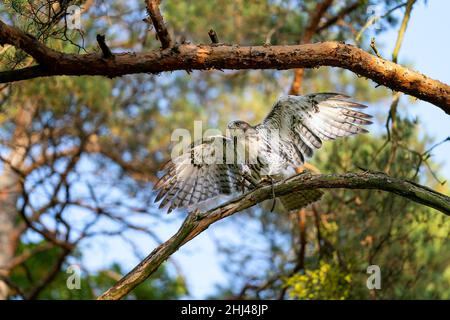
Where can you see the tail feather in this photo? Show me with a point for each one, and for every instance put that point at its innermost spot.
(300, 199)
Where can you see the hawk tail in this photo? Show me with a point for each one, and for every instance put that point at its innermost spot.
(300, 199)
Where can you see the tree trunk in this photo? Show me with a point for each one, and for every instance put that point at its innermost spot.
(10, 191)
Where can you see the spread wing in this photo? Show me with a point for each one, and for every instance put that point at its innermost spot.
(199, 174)
(304, 122)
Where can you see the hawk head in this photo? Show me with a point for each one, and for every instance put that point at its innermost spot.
(239, 128)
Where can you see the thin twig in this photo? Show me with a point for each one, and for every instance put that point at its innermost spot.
(340, 15)
(401, 32)
(392, 117)
(158, 23)
(374, 47)
(213, 36)
(107, 54)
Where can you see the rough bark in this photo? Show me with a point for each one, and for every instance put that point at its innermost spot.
(158, 23)
(10, 191)
(206, 57)
(195, 223)
(8, 199)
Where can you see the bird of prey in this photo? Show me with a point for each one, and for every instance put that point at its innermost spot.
(249, 155)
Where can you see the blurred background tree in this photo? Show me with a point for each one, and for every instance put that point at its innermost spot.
(79, 156)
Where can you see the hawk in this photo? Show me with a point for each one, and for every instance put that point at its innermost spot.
(247, 156)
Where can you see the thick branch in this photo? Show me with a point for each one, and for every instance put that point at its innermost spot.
(158, 23)
(196, 223)
(205, 57)
(26, 42)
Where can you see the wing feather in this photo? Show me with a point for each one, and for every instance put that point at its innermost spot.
(197, 175)
(304, 122)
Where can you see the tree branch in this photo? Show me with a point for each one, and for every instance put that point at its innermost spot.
(213, 36)
(26, 42)
(107, 54)
(158, 23)
(196, 222)
(310, 30)
(340, 15)
(402, 29)
(206, 57)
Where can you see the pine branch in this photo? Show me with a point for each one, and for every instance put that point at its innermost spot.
(196, 222)
(220, 57)
(158, 23)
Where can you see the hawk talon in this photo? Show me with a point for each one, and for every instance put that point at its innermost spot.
(273, 204)
(250, 179)
(269, 179)
(266, 180)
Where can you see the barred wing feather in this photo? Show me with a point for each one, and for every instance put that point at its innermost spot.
(304, 122)
(197, 175)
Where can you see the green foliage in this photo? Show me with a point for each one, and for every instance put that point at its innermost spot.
(324, 283)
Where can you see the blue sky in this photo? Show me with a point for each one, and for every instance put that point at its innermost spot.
(426, 48)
